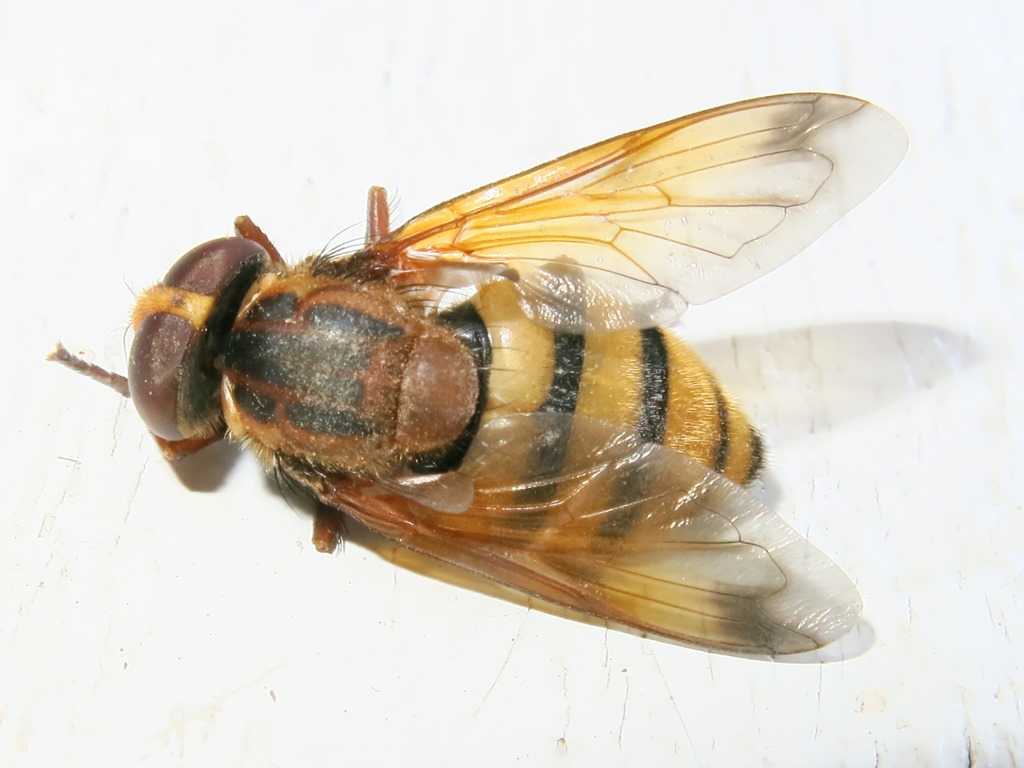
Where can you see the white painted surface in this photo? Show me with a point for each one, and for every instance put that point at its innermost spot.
(162, 617)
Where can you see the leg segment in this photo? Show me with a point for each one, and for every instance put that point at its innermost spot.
(245, 227)
(377, 223)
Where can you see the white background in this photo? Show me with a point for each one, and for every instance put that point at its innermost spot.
(179, 616)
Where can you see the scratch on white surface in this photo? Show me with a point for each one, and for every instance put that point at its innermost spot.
(504, 664)
(115, 426)
(995, 622)
(392, 614)
(968, 747)
(817, 716)
(607, 661)
(568, 704)
(46, 524)
(181, 717)
(675, 706)
(819, 380)
(130, 504)
(40, 585)
(622, 720)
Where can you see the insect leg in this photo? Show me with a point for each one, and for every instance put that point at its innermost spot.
(328, 528)
(245, 227)
(179, 449)
(377, 224)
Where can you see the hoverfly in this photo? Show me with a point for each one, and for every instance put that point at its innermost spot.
(491, 383)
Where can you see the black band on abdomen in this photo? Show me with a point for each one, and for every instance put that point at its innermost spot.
(654, 393)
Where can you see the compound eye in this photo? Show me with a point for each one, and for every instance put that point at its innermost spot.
(180, 331)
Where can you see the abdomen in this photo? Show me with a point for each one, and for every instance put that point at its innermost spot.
(647, 380)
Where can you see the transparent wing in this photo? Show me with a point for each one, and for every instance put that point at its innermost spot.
(627, 232)
(633, 532)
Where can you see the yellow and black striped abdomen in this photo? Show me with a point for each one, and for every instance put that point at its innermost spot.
(645, 379)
